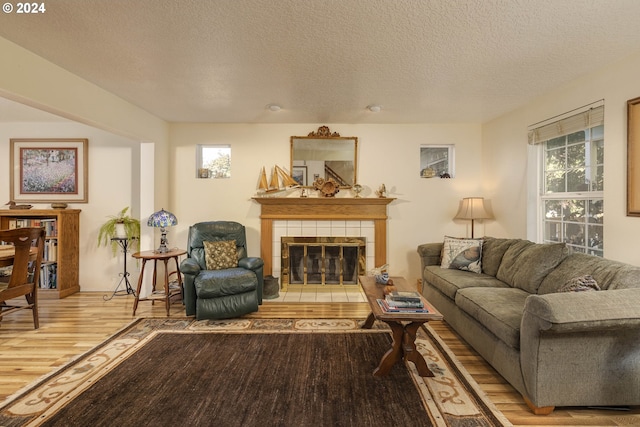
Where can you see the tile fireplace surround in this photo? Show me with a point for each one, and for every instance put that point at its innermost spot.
(316, 216)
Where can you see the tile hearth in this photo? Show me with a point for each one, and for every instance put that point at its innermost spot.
(329, 294)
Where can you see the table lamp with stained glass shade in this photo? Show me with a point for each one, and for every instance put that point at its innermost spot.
(162, 219)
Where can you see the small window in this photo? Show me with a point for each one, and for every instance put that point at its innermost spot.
(436, 161)
(213, 161)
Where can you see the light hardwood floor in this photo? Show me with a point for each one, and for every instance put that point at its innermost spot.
(72, 326)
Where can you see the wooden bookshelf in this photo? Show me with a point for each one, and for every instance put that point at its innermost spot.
(66, 241)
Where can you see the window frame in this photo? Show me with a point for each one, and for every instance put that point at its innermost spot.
(206, 173)
(588, 196)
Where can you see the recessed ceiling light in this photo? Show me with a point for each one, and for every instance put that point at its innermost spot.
(374, 108)
(274, 107)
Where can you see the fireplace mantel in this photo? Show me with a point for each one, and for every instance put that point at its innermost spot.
(322, 208)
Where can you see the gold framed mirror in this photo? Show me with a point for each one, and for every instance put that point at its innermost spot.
(323, 154)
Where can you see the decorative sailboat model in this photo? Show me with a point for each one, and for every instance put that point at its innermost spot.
(280, 181)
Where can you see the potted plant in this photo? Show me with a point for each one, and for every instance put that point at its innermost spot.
(122, 226)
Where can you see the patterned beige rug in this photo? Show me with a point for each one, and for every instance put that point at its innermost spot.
(451, 398)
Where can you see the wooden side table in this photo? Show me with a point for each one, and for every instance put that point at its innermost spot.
(167, 292)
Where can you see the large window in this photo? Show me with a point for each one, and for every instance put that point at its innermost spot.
(571, 189)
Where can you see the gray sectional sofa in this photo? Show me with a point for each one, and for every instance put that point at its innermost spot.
(556, 348)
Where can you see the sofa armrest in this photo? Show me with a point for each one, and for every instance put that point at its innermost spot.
(189, 266)
(250, 263)
(578, 347)
(430, 254)
(584, 311)
(256, 265)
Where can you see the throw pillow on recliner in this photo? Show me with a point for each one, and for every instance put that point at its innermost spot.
(221, 254)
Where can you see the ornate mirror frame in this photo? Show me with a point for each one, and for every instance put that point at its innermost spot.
(326, 155)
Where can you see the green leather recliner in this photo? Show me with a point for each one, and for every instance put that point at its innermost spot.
(220, 294)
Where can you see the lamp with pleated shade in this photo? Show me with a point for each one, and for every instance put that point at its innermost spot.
(472, 208)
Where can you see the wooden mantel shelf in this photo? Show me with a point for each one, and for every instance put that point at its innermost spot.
(322, 209)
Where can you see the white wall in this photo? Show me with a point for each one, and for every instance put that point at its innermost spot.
(115, 129)
(504, 157)
(113, 184)
(388, 154)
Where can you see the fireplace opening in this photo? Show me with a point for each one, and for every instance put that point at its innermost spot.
(322, 260)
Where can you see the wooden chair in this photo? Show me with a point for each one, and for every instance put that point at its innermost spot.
(29, 248)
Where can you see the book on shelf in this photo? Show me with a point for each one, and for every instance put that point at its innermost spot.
(405, 296)
(390, 309)
(51, 250)
(49, 276)
(49, 224)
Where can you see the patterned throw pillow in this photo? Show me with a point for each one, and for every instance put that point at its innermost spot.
(462, 254)
(579, 284)
(220, 255)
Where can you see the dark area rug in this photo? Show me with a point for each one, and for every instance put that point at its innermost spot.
(242, 373)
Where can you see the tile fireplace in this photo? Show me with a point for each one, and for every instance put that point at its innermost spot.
(322, 260)
(336, 225)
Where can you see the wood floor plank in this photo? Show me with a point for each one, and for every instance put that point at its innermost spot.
(74, 325)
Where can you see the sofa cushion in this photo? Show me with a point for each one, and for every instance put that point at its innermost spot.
(218, 283)
(525, 264)
(450, 281)
(607, 273)
(492, 252)
(499, 310)
(462, 254)
(221, 254)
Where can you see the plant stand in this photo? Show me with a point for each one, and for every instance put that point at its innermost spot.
(128, 289)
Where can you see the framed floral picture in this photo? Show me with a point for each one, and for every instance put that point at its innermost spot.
(49, 170)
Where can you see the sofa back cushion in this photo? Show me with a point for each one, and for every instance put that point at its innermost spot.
(525, 264)
(607, 273)
(492, 252)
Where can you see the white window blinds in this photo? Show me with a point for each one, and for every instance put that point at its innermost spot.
(592, 117)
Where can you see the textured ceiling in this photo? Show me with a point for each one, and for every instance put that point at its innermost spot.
(324, 61)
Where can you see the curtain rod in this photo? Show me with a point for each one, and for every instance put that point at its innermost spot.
(591, 104)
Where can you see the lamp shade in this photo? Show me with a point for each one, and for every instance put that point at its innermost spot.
(162, 219)
(472, 208)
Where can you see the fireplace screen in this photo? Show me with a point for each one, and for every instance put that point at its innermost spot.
(323, 260)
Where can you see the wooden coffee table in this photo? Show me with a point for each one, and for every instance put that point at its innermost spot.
(404, 326)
